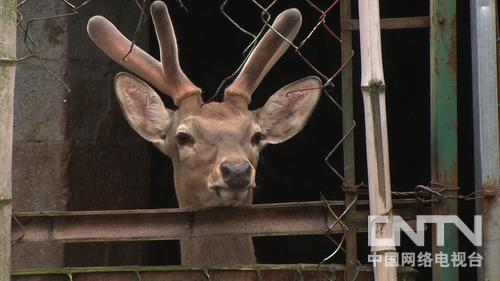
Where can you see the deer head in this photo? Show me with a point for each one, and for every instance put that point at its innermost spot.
(214, 147)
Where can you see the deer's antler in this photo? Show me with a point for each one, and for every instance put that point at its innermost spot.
(167, 76)
(270, 48)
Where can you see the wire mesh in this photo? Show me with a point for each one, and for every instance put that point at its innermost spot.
(328, 85)
(328, 79)
(430, 193)
(33, 51)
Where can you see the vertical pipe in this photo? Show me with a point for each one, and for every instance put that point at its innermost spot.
(486, 143)
(8, 18)
(377, 146)
(348, 144)
(444, 124)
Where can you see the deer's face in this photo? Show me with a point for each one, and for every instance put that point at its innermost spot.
(215, 150)
(214, 147)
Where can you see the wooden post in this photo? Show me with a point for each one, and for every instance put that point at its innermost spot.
(8, 18)
(377, 148)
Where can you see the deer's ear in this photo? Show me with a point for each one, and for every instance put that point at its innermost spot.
(142, 107)
(287, 111)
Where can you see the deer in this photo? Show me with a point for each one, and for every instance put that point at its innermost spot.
(215, 146)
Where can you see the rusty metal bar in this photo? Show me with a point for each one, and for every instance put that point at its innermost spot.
(174, 272)
(390, 23)
(486, 143)
(303, 218)
(443, 63)
(348, 144)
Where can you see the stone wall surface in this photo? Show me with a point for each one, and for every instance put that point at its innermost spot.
(75, 151)
(40, 155)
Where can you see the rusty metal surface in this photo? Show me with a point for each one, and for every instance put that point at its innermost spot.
(348, 144)
(444, 140)
(156, 273)
(391, 23)
(302, 218)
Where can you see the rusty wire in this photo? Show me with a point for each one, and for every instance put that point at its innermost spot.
(265, 17)
(138, 275)
(258, 274)
(32, 49)
(326, 88)
(23, 232)
(207, 275)
(429, 193)
(338, 245)
(142, 20)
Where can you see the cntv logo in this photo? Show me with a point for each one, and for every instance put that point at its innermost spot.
(399, 225)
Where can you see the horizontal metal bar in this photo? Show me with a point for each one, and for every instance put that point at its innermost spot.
(393, 23)
(176, 272)
(304, 218)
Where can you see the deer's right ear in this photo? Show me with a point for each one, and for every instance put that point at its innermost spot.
(142, 107)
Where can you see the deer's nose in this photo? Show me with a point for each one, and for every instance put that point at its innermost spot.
(237, 176)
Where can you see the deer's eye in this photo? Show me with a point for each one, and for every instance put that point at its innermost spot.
(184, 139)
(257, 138)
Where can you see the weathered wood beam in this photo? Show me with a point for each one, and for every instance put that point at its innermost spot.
(304, 218)
(262, 272)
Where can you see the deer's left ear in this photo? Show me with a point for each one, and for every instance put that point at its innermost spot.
(287, 111)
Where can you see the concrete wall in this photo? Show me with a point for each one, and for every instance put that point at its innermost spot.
(40, 157)
(79, 154)
(109, 163)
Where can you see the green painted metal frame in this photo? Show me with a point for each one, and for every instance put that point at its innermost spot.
(443, 59)
(443, 63)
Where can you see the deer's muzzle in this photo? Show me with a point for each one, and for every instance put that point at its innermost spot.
(236, 175)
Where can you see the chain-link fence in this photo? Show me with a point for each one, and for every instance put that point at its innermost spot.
(429, 193)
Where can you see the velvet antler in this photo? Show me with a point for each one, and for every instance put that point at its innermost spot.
(270, 48)
(167, 76)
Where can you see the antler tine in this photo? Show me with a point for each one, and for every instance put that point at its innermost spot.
(270, 48)
(180, 84)
(107, 37)
(110, 40)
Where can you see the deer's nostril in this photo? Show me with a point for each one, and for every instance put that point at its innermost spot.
(236, 176)
(226, 169)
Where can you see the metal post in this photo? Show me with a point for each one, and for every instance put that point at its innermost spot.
(348, 144)
(8, 18)
(444, 124)
(486, 143)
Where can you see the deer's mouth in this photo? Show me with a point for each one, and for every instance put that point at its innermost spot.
(231, 196)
